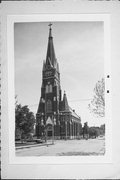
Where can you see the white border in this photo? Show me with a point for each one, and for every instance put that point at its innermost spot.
(11, 19)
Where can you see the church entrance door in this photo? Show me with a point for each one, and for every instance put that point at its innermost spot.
(49, 128)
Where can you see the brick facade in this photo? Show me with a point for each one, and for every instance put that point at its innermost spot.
(54, 114)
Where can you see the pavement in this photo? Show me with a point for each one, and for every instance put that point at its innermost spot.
(33, 145)
(65, 148)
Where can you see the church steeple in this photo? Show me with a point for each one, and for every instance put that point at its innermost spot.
(65, 106)
(50, 57)
(51, 105)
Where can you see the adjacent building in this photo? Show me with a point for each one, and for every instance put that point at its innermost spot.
(54, 115)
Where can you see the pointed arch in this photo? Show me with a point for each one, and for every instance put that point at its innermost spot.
(50, 88)
(47, 89)
(49, 105)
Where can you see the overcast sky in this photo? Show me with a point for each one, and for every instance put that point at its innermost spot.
(79, 51)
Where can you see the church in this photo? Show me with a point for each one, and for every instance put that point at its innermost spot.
(54, 115)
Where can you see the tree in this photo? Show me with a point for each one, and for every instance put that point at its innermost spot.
(97, 105)
(85, 130)
(102, 129)
(24, 121)
(94, 132)
(81, 129)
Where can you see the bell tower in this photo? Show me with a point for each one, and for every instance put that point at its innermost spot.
(49, 105)
(54, 117)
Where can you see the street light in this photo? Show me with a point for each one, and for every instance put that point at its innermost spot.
(54, 123)
(44, 130)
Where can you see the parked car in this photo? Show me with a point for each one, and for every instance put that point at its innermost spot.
(39, 140)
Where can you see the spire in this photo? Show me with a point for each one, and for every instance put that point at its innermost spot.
(57, 67)
(43, 65)
(50, 57)
(65, 106)
(50, 31)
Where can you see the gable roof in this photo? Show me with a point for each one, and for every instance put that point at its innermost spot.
(74, 113)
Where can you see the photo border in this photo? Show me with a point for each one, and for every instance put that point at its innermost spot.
(13, 159)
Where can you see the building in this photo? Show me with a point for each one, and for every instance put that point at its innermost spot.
(54, 116)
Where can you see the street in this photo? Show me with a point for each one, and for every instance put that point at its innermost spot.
(66, 148)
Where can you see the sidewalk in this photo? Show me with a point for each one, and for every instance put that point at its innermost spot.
(33, 145)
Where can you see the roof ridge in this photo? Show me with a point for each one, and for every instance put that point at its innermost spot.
(74, 112)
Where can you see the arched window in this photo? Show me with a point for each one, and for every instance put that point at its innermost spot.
(49, 106)
(47, 89)
(50, 88)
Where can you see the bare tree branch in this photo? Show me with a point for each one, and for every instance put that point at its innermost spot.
(97, 105)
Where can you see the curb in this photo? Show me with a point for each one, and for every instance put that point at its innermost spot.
(29, 146)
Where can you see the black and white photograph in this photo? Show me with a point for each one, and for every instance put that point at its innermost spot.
(59, 88)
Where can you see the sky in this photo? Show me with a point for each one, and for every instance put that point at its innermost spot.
(79, 49)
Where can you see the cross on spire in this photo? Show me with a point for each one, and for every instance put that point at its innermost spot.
(50, 25)
(50, 30)
(50, 57)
